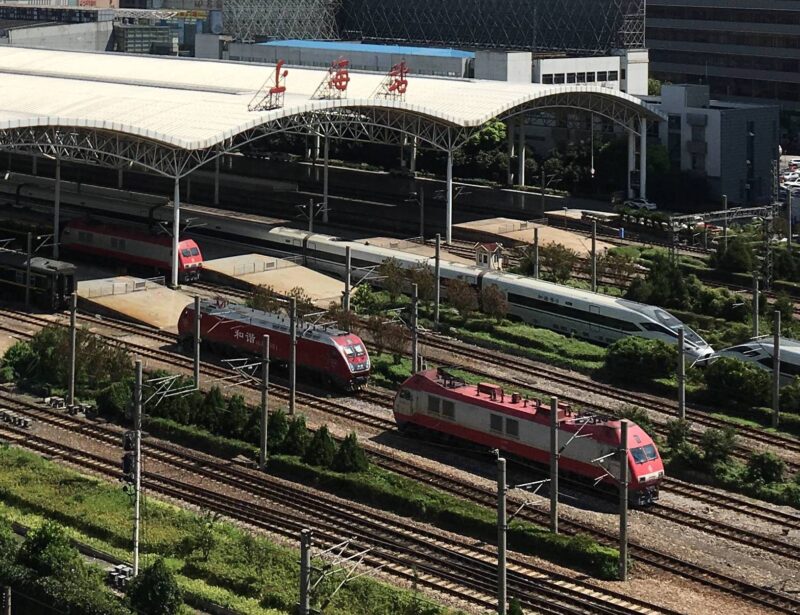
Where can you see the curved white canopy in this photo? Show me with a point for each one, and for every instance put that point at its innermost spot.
(196, 104)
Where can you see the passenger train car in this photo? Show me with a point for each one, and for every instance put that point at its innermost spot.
(592, 316)
(52, 282)
(435, 401)
(759, 352)
(334, 356)
(134, 246)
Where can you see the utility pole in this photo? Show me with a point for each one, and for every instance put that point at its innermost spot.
(437, 295)
(536, 253)
(347, 283)
(414, 329)
(73, 335)
(725, 222)
(776, 371)
(681, 374)
(197, 342)
(305, 572)
(554, 456)
(262, 457)
(422, 213)
(292, 353)
(502, 489)
(756, 306)
(137, 427)
(542, 186)
(594, 256)
(623, 501)
(28, 271)
(310, 215)
(789, 221)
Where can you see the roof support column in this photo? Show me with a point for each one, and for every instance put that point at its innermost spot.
(510, 152)
(325, 183)
(216, 180)
(176, 230)
(521, 152)
(449, 192)
(56, 207)
(120, 178)
(643, 158)
(413, 162)
(631, 156)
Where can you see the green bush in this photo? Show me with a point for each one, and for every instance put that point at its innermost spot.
(638, 416)
(277, 428)
(738, 257)
(636, 358)
(321, 450)
(8, 543)
(48, 552)
(735, 382)
(296, 441)
(717, 445)
(21, 359)
(116, 401)
(678, 433)
(155, 591)
(765, 468)
(350, 457)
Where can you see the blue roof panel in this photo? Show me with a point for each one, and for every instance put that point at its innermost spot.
(343, 47)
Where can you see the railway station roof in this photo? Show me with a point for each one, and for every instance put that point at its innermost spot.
(190, 104)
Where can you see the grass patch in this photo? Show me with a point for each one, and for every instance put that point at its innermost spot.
(246, 573)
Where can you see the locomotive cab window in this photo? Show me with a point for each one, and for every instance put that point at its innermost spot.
(448, 409)
(650, 452)
(405, 394)
(496, 423)
(512, 428)
(195, 252)
(186, 253)
(433, 404)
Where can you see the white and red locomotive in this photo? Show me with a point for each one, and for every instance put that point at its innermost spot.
(134, 246)
(436, 401)
(336, 357)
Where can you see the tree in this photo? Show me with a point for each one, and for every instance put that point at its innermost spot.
(116, 400)
(395, 338)
(515, 608)
(277, 430)
(765, 468)
(678, 431)
(640, 358)
(322, 449)
(736, 382)
(394, 278)
(296, 441)
(375, 327)
(494, 302)
(616, 266)
(422, 275)
(653, 87)
(202, 536)
(664, 284)
(785, 305)
(556, 262)
(344, 319)
(155, 591)
(462, 297)
(8, 542)
(20, 358)
(211, 412)
(350, 457)
(305, 305)
(638, 416)
(237, 417)
(738, 257)
(364, 299)
(265, 299)
(48, 551)
(717, 445)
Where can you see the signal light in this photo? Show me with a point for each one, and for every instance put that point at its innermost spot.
(129, 468)
(129, 441)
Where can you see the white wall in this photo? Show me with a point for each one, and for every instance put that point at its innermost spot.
(636, 63)
(503, 66)
(93, 36)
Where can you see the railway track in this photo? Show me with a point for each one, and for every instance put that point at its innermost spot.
(652, 557)
(447, 559)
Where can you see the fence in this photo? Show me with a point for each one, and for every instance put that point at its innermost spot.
(111, 287)
(261, 266)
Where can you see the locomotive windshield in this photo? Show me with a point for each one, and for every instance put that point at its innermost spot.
(359, 350)
(644, 453)
(195, 252)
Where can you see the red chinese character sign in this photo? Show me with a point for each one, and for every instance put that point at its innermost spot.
(270, 95)
(334, 83)
(395, 84)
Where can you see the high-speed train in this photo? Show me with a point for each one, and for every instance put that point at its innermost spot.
(759, 352)
(571, 311)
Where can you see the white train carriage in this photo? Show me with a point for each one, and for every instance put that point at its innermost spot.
(759, 352)
(572, 311)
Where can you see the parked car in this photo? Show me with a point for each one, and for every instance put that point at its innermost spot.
(790, 177)
(640, 204)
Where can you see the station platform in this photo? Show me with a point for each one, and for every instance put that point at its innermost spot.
(247, 271)
(412, 247)
(134, 299)
(512, 233)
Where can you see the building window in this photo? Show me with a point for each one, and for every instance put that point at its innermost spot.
(448, 409)
(581, 77)
(613, 76)
(512, 428)
(496, 423)
(589, 77)
(433, 405)
(558, 78)
(602, 75)
(548, 78)
(570, 77)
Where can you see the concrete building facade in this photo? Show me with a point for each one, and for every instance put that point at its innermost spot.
(734, 145)
(742, 49)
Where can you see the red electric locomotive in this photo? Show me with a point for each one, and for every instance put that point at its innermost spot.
(337, 357)
(134, 246)
(434, 400)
